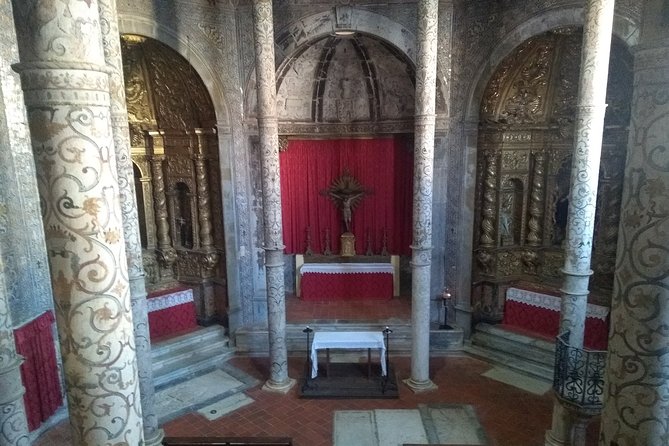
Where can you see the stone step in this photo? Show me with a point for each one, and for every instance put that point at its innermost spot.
(511, 343)
(255, 340)
(189, 354)
(201, 335)
(524, 354)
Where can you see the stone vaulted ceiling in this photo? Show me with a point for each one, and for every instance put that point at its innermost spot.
(352, 79)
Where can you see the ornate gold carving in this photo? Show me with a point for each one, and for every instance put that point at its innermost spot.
(536, 208)
(515, 160)
(487, 237)
(524, 163)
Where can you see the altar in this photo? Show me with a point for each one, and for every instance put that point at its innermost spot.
(540, 313)
(347, 281)
(171, 312)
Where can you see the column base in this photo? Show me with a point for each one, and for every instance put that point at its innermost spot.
(551, 441)
(156, 440)
(420, 386)
(283, 387)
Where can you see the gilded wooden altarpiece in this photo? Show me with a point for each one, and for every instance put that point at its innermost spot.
(524, 168)
(175, 153)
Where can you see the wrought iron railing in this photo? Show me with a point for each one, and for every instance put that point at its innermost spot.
(579, 375)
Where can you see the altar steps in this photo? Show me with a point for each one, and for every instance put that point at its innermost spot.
(255, 340)
(524, 354)
(183, 356)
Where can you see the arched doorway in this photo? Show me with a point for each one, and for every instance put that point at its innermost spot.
(524, 167)
(175, 151)
(345, 109)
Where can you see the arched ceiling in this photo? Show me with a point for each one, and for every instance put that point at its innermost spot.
(353, 79)
(537, 84)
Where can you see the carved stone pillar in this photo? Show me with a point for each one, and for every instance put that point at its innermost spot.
(421, 261)
(635, 397)
(133, 245)
(66, 90)
(167, 255)
(269, 157)
(13, 423)
(588, 133)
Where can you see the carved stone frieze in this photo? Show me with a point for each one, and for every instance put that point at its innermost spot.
(363, 128)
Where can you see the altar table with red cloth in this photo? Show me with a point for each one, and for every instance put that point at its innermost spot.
(171, 312)
(540, 313)
(346, 281)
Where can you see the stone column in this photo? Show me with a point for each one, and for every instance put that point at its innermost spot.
(13, 423)
(636, 401)
(421, 262)
(133, 245)
(269, 158)
(588, 132)
(66, 88)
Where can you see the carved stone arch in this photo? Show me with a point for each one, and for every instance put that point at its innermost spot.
(134, 25)
(623, 27)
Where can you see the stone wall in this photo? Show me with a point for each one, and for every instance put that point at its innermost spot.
(21, 229)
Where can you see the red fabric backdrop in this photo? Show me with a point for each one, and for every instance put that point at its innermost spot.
(39, 372)
(383, 166)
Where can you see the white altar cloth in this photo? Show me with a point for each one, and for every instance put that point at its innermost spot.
(347, 340)
(552, 303)
(346, 268)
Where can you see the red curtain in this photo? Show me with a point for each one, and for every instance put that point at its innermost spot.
(383, 166)
(39, 371)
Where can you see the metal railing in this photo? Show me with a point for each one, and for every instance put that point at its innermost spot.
(578, 379)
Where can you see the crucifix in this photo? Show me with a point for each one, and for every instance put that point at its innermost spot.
(346, 192)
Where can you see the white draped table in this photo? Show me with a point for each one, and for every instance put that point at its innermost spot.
(354, 340)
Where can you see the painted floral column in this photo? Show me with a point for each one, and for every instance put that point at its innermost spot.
(269, 157)
(421, 261)
(133, 245)
(66, 89)
(588, 131)
(636, 396)
(585, 166)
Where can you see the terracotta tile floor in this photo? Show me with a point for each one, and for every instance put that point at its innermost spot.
(510, 416)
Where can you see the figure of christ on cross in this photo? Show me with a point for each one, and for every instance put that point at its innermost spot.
(346, 192)
(346, 204)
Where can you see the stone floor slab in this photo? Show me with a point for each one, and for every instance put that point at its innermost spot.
(396, 427)
(354, 427)
(454, 424)
(225, 406)
(524, 382)
(192, 392)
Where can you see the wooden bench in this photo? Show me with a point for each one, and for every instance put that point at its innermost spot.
(227, 441)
